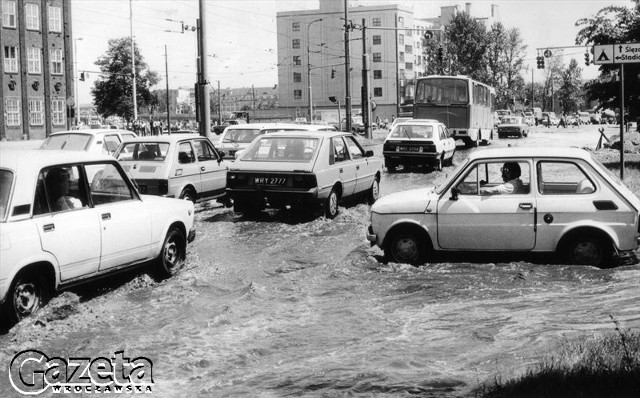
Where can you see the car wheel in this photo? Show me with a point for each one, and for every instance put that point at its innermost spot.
(172, 254)
(405, 247)
(588, 250)
(438, 164)
(331, 205)
(450, 161)
(391, 166)
(374, 192)
(27, 294)
(188, 194)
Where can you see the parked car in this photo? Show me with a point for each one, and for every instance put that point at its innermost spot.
(502, 113)
(67, 217)
(513, 126)
(529, 119)
(309, 170)
(418, 142)
(584, 117)
(237, 138)
(219, 129)
(94, 141)
(184, 166)
(568, 203)
(552, 120)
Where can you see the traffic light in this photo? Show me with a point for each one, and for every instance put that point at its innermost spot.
(333, 73)
(440, 54)
(81, 76)
(586, 58)
(540, 61)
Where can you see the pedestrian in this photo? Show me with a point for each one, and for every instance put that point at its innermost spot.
(562, 122)
(377, 122)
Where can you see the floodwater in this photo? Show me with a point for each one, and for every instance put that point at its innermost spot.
(281, 306)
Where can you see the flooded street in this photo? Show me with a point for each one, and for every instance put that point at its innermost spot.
(277, 305)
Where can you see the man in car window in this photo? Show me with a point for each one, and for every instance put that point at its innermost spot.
(511, 176)
(58, 182)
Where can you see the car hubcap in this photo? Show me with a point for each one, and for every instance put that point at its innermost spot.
(26, 299)
(171, 254)
(406, 249)
(586, 252)
(376, 190)
(333, 204)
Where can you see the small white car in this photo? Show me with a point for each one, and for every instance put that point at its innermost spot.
(566, 202)
(94, 141)
(513, 126)
(418, 142)
(69, 217)
(236, 138)
(184, 166)
(310, 170)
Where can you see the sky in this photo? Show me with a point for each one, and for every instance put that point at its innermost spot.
(242, 38)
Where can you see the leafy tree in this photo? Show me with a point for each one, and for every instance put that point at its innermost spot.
(505, 63)
(613, 25)
(113, 92)
(552, 81)
(467, 45)
(570, 92)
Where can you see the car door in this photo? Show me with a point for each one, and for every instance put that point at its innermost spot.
(213, 171)
(448, 144)
(187, 170)
(124, 219)
(487, 222)
(73, 236)
(365, 172)
(345, 167)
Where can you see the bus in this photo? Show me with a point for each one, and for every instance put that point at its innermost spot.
(464, 105)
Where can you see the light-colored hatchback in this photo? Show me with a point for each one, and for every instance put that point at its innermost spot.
(559, 200)
(94, 141)
(184, 166)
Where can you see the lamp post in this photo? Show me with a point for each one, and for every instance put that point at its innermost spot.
(309, 67)
(75, 67)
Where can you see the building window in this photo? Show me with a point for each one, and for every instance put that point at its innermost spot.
(409, 32)
(295, 26)
(12, 112)
(55, 19)
(377, 57)
(295, 43)
(377, 74)
(36, 112)
(401, 57)
(408, 66)
(408, 49)
(56, 62)
(297, 60)
(10, 59)
(297, 94)
(32, 16)
(8, 14)
(377, 39)
(401, 22)
(377, 21)
(57, 112)
(401, 40)
(34, 60)
(297, 77)
(377, 91)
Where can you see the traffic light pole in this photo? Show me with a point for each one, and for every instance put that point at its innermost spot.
(347, 66)
(366, 104)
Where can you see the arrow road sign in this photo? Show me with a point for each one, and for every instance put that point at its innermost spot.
(603, 54)
(626, 53)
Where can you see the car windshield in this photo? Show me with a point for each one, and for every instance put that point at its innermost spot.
(510, 120)
(6, 179)
(282, 149)
(148, 151)
(241, 135)
(411, 131)
(68, 142)
(440, 188)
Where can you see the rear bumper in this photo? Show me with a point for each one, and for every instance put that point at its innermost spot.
(275, 198)
(411, 157)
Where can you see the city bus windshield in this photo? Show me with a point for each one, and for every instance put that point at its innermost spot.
(442, 91)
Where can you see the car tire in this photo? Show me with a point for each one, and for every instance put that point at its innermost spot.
(438, 164)
(27, 294)
(587, 249)
(188, 194)
(374, 192)
(172, 254)
(391, 167)
(331, 205)
(405, 247)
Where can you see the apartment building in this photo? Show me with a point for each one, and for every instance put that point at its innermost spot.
(36, 81)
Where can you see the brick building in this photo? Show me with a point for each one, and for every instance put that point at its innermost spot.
(36, 82)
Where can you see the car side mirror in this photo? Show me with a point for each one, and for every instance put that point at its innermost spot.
(454, 194)
(221, 153)
(368, 154)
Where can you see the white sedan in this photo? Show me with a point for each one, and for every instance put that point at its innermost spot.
(67, 217)
(548, 200)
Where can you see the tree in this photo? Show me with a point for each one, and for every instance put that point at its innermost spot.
(113, 92)
(570, 90)
(505, 63)
(613, 25)
(467, 45)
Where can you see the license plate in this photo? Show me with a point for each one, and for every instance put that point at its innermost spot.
(270, 180)
(410, 149)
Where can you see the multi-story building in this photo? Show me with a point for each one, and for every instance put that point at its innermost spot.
(36, 82)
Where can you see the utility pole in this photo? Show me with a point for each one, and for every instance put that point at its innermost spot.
(366, 104)
(205, 115)
(166, 74)
(347, 66)
(309, 67)
(133, 63)
(219, 105)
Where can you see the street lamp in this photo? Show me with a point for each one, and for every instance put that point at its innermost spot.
(76, 83)
(309, 67)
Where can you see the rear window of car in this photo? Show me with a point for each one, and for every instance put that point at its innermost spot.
(146, 151)
(282, 149)
(412, 131)
(68, 142)
(240, 135)
(6, 179)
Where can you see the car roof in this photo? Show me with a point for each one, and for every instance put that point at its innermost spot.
(21, 159)
(252, 126)
(93, 132)
(169, 138)
(307, 134)
(535, 152)
(419, 121)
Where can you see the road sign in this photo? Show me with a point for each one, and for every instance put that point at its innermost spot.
(626, 53)
(547, 53)
(603, 54)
